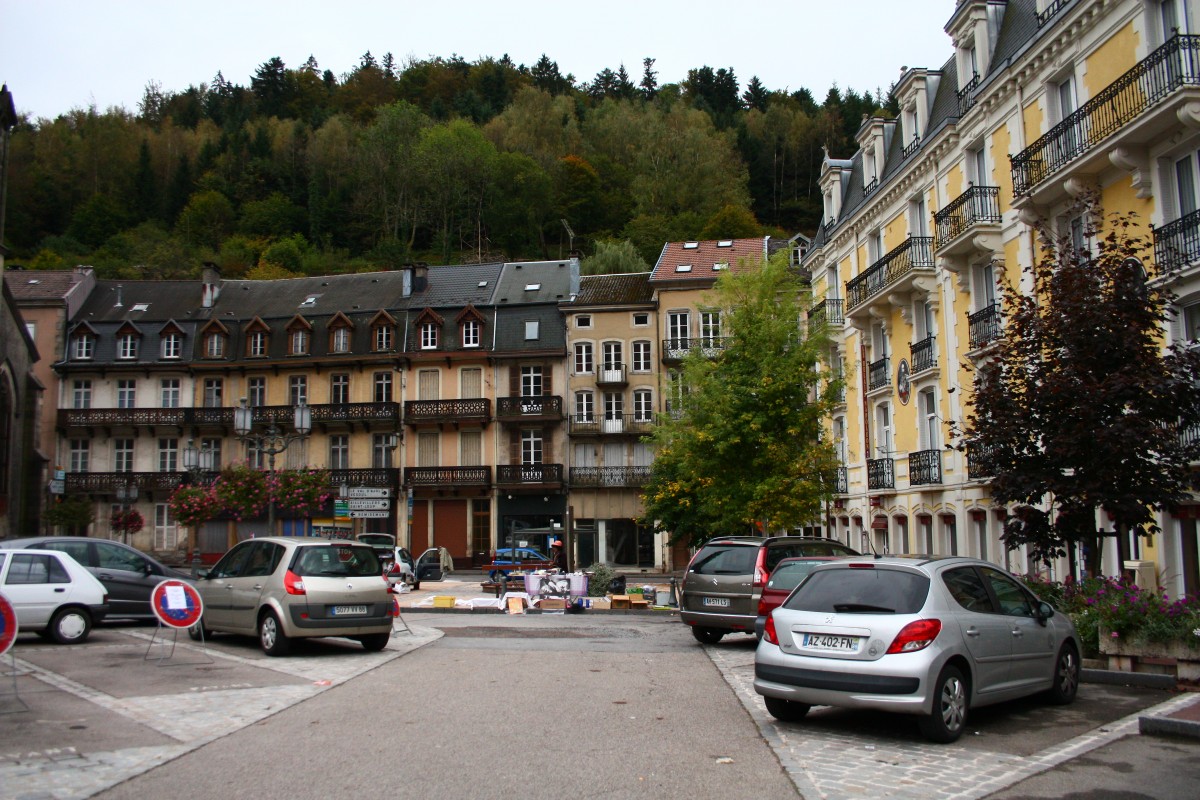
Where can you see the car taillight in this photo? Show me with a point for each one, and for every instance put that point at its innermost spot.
(916, 636)
(394, 611)
(769, 631)
(293, 583)
(760, 569)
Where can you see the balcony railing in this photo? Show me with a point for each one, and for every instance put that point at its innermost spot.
(447, 476)
(529, 474)
(1174, 65)
(593, 424)
(881, 473)
(1052, 8)
(1178, 243)
(978, 463)
(223, 416)
(925, 467)
(826, 312)
(871, 187)
(107, 482)
(879, 374)
(611, 375)
(924, 354)
(418, 412)
(915, 253)
(677, 349)
(966, 95)
(543, 406)
(842, 481)
(586, 477)
(984, 325)
(976, 205)
(911, 147)
(371, 476)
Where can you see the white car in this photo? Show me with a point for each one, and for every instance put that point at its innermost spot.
(400, 569)
(52, 594)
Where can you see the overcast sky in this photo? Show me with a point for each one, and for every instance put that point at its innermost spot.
(56, 55)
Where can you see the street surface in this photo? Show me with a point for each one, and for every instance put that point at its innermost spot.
(532, 706)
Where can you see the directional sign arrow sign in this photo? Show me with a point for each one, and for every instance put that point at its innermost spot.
(368, 505)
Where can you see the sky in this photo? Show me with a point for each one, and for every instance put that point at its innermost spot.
(59, 55)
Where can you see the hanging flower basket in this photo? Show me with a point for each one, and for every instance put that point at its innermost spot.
(193, 505)
(242, 492)
(301, 492)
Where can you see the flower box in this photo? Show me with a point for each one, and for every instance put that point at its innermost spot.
(1180, 659)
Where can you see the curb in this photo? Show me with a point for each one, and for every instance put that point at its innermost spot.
(1168, 726)
(1145, 680)
(536, 611)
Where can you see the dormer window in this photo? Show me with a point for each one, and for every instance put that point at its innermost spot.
(171, 345)
(214, 345)
(531, 330)
(127, 346)
(85, 347)
(299, 342)
(339, 340)
(720, 265)
(256, 345)
(532, 287)
(470, 333)
(429, 336)
(384, 337)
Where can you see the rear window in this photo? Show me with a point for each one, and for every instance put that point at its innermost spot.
(777, 551)
(339, 560)
(724, 559)
(377, 538)
(863, 591)
(788, 576)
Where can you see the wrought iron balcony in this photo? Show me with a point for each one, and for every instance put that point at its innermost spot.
(925, 467)
(911, 147)
(611, 375)
(879, 374)
(437, 412)
(881, 473)
(373, 476)
(979, 205)
(1177, 243)
(979, 465)
(892, 272)
(447, 477)
(1122, 104)
(107, 482)
(544, 407)
(590, 477)
(966, 95)
(826, 312)
(924, 354)
(984, 325)
(1052, 8)
(676, 350)
(529, 475)
(223, 416)
(842, 481)
(592, 424)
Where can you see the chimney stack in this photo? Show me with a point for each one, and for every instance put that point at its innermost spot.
(210, 276)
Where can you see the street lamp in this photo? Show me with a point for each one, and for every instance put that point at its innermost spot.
(272, 441)
(197, 462)
(127, 495)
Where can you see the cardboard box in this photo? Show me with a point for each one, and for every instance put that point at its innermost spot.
(638, 602)
(553, 604)
(620, 601)
(601, 603)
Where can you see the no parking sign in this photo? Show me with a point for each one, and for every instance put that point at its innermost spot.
(176, 604)
(8, 625)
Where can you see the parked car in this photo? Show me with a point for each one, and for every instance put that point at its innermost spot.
(428, 567)
(519, 558)
(128, 574)
(51, 593)
(399, 568)
(284, 588)
(786, 576)
(929, 636)
(384, 543)
(725, 579)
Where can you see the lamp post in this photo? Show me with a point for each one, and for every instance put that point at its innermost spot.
(197, 462)
(272, 441)
(127, 495)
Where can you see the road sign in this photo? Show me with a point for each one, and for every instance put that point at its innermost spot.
(368, 514)
(57, 486)
(368, 505)
(8, 625)
(367, 491)
(176, 604)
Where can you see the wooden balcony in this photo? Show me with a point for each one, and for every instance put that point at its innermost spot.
(539, 477)
(616, 425)
(543, 408)
(479, 477)
(475, 411)
(609, 477)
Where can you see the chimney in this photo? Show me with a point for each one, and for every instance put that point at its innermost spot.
(210, 276)
(119, 291)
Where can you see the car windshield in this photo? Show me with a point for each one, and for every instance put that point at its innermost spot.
(377, 538)
(339, 560)
(788, 576)
(724, 559)
(866, 591)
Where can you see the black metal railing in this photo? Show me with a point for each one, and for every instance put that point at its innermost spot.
(513, 474)
(477, 409)
(966, 95)
(911, 147)
(979, 464)
(372, 476)
(223, 416)
(974, 206)
(881, 473)
(543, 405)
(841, 481)
(588, 424)
(984, 325)
(609, 476)
(678, 348)
(924, 354)
(1149, 82)
(107, 482)
(878, 374)
(1178, 243)
(448, 476)
(1052, 8)
(1189, 435)
(915, 253)
(925, 467)
(871, 187)
(826, 312)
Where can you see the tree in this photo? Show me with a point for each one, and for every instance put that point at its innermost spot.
(74, 514)
(649, 84)
(612, 258)
(756, 94)
(731, 222)
(745, 451)
(1081, 408)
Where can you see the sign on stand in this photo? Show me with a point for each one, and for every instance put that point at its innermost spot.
(176, 604)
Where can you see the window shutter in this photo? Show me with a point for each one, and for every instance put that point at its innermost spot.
(547, 449)
(547, 379)
(514, 447)
(514, 381)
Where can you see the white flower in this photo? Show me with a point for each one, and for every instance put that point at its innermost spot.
(1196, 632)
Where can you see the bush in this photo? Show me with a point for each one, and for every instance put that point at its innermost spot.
(600, 576)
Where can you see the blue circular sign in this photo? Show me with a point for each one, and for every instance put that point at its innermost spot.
(8, 625)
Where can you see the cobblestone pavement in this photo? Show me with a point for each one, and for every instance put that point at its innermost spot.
(834, 762)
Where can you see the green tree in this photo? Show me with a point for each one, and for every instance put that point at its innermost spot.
(731, 222)
(611, 258)
(745, 450)
(206, 219)
(74, 514)
(272, 217)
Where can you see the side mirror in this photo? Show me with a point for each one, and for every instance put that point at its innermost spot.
(202, 574)
(1044, 612)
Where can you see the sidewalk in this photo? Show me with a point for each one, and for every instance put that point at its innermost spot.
(1183, 721)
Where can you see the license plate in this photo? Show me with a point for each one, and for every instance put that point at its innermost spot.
(822, 641)
(349, 611)
(722, 602)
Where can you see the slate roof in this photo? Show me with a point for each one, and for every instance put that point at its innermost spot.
(622, 289)
(40, 285)
(459, 285)
(283, 299)
(702, 256)
(552, 279)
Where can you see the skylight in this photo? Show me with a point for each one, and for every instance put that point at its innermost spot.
(725, 243)
(311, 300)
(140, 306)
(720, 265)
(690, 245)
(532, 287)
(683, 268)
(482, 284)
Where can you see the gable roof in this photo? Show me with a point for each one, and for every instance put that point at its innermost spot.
(620, 289)
(695, 260)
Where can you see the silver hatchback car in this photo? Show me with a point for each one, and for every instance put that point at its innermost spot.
(919, 635)
(283, 588)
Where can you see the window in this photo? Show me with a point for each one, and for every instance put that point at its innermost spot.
(641, 319)
(169, 392)
(583, 321)
(918, 219)
(470, 448)
(1170, 19)
(977, 167)
(166, 532)
(531, 330)
(214, 345)
(85, 347)
(584, 407)
(383, 387)
(1013, 600)
(126, 393)
(883, 431)
(874, 246)
(339, 451)
(339, 340)
(839, 439)
(710, 328)
(429, 384)
(470, 333)
(299, 341)
(28, 568)
(339, 388)
(531, 447)
(429, 336)
(256, 392)
(929, 433)
(583, 358)
(127, 346)
(678, 327)
(613, 356)
(381, 450)
(297, 390)
(213, 392)
(172, 345)
(122, 455)
(427, 450)
(384, 336)
(641, 356)
(110, 556)
(213, 446)
(257, 346)
(471, 382)
(1191, 322)
(643, 405)
(31, 329)
(614, 405)
(168, 455)
(81, 455)
(81, 394)
(531, 381)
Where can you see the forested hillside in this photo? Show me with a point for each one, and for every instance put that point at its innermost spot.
(441, 160)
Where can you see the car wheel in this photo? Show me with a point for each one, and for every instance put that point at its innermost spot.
(375, 641)
(707, 635)
(70, 626)
(270, 634)
(1066, 675)
(949, 715)
(786, 710)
